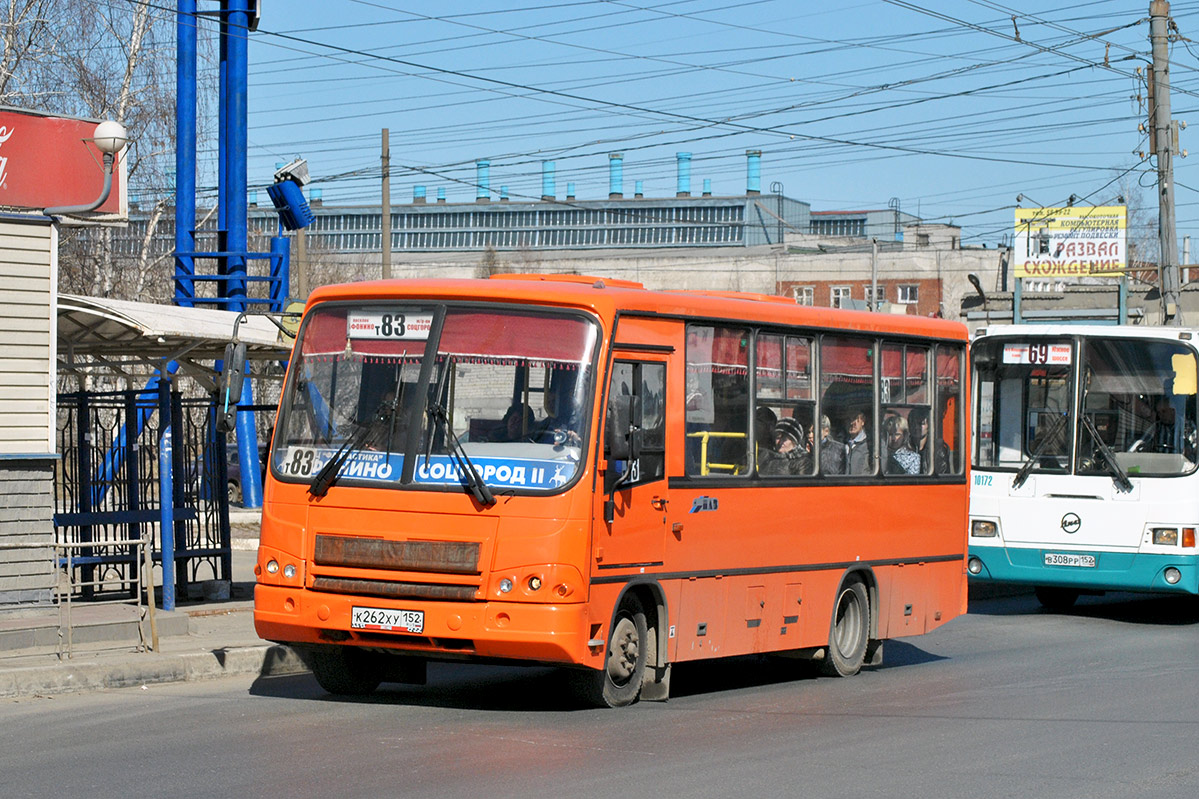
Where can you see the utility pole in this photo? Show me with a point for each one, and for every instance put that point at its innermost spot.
(1163, 136)
(301, 265)
(385, 220)
(874, 274)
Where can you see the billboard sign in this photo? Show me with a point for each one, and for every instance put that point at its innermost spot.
(1079, 241)
(48, 160)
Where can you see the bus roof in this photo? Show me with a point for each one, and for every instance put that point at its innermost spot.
(607, 297)
(1104, 331)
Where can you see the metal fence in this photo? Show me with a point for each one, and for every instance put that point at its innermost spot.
(108, 490)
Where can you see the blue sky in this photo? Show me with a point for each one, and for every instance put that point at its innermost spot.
(937, 105)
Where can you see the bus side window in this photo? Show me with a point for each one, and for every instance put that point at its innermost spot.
(717, 401)
(847, 383)
(783, 406)
(906, 448)
(950, 422)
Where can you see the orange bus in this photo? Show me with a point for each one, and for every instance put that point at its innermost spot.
(557, 469)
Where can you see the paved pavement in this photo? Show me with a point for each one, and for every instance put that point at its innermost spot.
(201, 639)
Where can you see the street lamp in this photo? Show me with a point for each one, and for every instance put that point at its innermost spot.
(974, 281)
(109, 137)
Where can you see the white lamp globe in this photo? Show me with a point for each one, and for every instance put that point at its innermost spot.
(110, 137)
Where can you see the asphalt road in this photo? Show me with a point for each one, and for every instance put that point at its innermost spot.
(1010, 701)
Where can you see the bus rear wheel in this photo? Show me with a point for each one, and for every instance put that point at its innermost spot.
(1056, 598)
(618, 683)
(345, 670)
(849, 631)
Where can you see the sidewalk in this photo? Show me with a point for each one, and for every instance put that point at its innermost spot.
(201, 639)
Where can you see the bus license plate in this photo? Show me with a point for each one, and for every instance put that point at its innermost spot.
(401, 621)
(1069, 559)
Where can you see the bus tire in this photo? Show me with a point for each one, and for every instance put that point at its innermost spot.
(345, 670)
(849, 631)
(1056, 598)
(619, 682)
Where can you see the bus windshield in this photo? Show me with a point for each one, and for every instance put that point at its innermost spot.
(407, 395)
(1132, 410)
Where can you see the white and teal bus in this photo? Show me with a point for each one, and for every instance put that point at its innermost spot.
(1084, 464)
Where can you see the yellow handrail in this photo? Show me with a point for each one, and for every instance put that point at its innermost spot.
(705, 468)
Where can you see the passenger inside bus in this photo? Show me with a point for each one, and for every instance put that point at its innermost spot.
(922, 442)
(560, 426)
(788, 456)
(901, 458)
(857, 442)
(764, 422)
(832, 451)
(517, 424)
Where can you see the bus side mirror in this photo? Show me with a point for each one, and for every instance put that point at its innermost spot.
(623, 436)
(229, 386)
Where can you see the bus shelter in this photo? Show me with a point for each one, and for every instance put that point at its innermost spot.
(147, 462)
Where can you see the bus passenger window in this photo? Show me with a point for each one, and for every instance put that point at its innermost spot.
(784, 405)
(717, 402)
(904, 392)
(947, 436)
(847, 384)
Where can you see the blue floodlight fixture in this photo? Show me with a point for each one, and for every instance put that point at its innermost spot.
(287, 194)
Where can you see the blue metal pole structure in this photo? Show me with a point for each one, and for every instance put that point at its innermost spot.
(222, 149)
(280, 270)
(166, 488)
(185, 152)
(237, 30)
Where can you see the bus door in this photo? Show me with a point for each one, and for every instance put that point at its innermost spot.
(636, 503)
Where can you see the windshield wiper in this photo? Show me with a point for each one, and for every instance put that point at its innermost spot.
(328, 473)
(439, 419)
(1022, 474)
(1109, 457)
(474, 482)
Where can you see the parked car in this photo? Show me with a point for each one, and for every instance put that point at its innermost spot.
(233, 470)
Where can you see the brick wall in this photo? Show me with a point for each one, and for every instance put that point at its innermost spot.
(26, 510)
(928, 291)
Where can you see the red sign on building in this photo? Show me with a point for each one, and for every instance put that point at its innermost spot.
(48, 161)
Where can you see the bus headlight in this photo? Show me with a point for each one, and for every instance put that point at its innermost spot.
(981, 528)
(272, 566)
(505, 585)
(1172, 575)
(1165, 536)
(974, 566)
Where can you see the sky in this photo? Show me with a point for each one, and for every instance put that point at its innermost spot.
(948, 109)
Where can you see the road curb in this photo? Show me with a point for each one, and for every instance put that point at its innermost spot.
(73, 676)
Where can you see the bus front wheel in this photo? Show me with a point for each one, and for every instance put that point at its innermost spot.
(618, 683)
(345, 670)
(849, 632)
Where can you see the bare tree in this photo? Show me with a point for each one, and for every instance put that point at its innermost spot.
(1141, 233)
(106, 61)
(33, 33)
